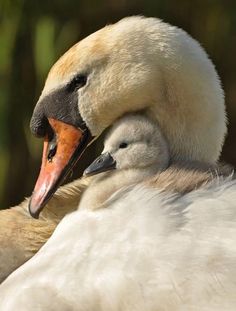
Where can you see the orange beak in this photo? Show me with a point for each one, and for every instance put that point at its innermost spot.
(59, 156)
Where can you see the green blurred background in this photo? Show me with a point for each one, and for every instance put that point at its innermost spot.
(33, 34)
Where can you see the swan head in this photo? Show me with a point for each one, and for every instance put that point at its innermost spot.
(133, 142)
(136, 64)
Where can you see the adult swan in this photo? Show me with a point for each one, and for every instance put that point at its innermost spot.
(137, 64)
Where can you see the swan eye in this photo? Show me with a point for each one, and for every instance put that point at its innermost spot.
(123, 145)
(77, 82)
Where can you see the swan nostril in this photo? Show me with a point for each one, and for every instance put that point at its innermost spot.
(52, 149)
(40, 127)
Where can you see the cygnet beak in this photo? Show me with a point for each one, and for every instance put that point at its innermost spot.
(103, 163)
(62, 148)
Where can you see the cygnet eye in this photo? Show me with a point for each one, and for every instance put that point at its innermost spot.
(77, 82)
(123, 145)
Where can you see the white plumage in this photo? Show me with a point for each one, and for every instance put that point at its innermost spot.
(142, 249)
(146, 249)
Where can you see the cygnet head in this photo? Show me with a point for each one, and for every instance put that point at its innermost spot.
(133, 142)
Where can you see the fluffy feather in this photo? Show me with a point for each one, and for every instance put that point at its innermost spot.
(22, 236)
(148, 251)
(137, 247)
